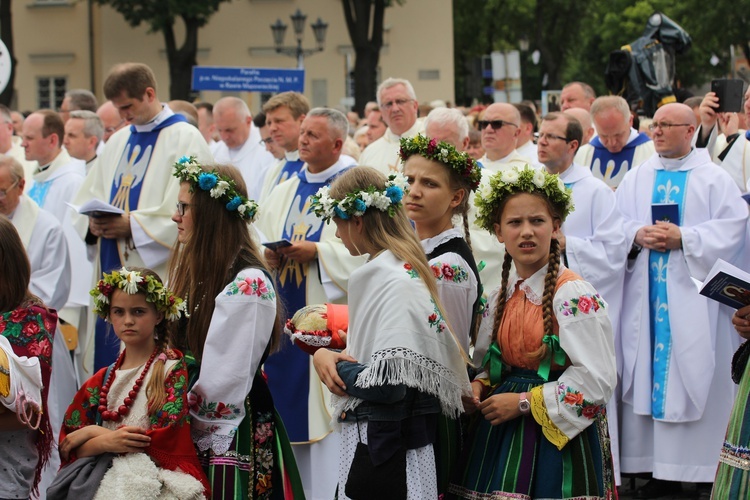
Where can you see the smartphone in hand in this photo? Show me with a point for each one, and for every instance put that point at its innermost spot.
(730, 94)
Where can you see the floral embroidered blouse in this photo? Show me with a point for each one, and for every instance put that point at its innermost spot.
(240, 329)
(457, 285)
(566, 406)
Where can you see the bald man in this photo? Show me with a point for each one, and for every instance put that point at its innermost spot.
(676, 344)
(500, 129)
(240, 143)
(584, 118)
(618, 147)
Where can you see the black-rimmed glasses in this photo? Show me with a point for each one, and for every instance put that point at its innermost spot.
(181, 208)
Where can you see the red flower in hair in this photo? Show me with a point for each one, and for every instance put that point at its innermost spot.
(431, 146)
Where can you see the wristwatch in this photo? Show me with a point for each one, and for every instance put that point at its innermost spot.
(524, 406)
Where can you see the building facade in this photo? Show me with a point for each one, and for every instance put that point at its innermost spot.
(64, 44)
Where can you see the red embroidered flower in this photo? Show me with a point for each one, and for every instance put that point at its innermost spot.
(596, 304)
(407, 266)
(432, 318)
(436, 271)
(222, 410)
(573, 398)
(31, 329)
(194, 401)
(584, 304)
(246, 286)
(590, 412)
(43, 348)
(49, 325)
(3, 324)
(448, 272)
(18, 315)
(262, 289)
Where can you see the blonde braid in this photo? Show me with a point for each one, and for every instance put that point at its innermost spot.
(465, 217)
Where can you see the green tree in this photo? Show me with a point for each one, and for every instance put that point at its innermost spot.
(364, 22)
(161, 16)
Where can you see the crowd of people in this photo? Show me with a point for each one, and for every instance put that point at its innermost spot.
(520, 322)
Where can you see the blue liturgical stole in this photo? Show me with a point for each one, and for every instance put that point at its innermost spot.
(289, 369)
(618, 159)
(289, 170)
(125, 193)
(38, 192)
(669, 187)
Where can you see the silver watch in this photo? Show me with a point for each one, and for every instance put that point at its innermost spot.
(524, 406)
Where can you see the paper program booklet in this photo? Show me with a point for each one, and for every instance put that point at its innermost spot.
(96, 208)
(727, 284)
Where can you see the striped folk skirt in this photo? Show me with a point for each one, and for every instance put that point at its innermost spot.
(515, 461)
(259, 463)
(733, 475)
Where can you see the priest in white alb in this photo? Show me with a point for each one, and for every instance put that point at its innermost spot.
(399, 106)
(676, 344)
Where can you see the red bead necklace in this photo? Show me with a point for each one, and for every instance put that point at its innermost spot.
(124, 408)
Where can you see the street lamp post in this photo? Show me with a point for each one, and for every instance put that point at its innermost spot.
(278, 29)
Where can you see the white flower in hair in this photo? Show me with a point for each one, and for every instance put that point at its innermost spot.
(509, 176)
(367, 198)
(219, 190)
(560, 184)
(193, 168)
(400, 181)
(380, 201)
(444, 153)
(485, 189)
(538, 179)
(132, 278)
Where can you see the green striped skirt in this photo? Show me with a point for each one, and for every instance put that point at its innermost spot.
(514, 460)
(733, 476)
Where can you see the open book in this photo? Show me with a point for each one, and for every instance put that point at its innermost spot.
(96, 208)
(727, 284)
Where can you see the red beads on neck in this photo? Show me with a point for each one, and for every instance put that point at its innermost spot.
(123, 409)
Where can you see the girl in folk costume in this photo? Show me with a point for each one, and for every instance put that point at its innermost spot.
(233, 324)
(403, 366)
(137, 406)
(440, 180)
(733, 474)
(27, 330)
(541, 430)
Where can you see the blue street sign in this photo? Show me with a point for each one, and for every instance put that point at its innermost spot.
(233, 79)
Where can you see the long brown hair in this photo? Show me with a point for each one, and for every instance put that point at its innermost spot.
(550, 281)
(218, 247)
(14, 269)
(386, 232)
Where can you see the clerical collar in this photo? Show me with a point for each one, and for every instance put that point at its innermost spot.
(158, 119)
(91, 160)
(674, 163)
(41, 169)
(292, 155)
(325, 174)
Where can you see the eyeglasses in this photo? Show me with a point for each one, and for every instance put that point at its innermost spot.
(111, 130)
(398, 102)
(267, 140)
(495, 124)
(549, 137)
(4, 192)
(181, 208)
(666, 126)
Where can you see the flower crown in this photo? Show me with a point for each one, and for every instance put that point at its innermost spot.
(219, 186)
(520, 180)
(132, 282)
(461, 163)
(355, 204)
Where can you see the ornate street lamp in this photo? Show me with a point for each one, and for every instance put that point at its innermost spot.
(278, 29)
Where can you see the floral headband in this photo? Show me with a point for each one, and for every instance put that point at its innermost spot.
(132, 282)
(461, 163)
(356, 204)
(520, 180)
(219, 186)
